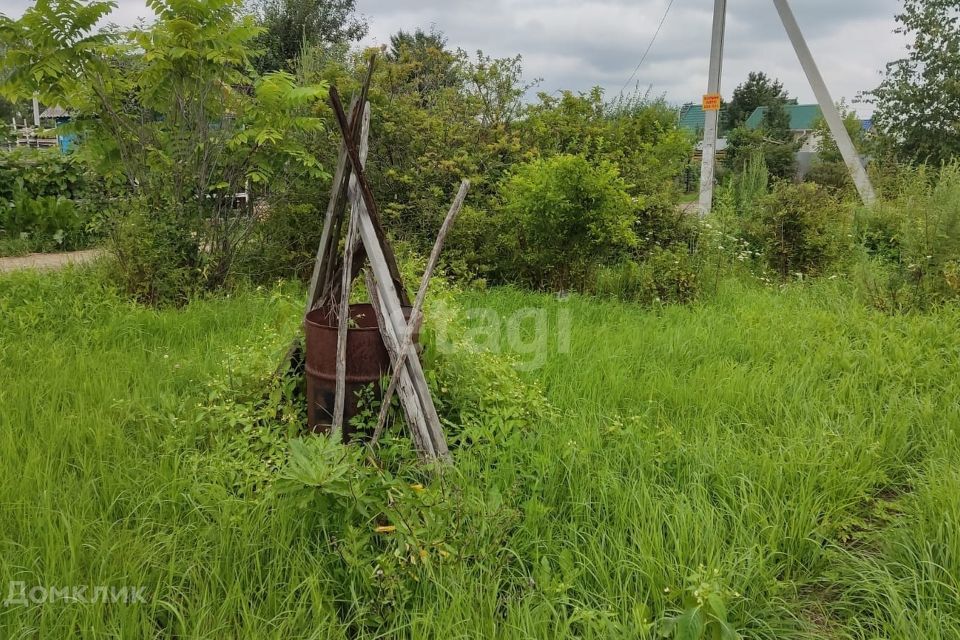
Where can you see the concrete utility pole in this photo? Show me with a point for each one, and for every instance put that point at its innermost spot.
(830, 112)
(712, 117)
(36, 111)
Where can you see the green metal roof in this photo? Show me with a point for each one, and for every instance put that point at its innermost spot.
(803, 117)
(692, 118)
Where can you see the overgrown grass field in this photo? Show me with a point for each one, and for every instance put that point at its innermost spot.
(775, 464)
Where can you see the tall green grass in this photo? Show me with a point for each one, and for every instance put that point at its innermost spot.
(793, 451)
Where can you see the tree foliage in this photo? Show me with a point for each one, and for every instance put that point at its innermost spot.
(759, 90)
(173, 107)
(289, 25)
(429, 65)
(918, 102)
(561, 217)
(773, 138)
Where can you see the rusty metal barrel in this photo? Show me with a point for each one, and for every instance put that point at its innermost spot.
(367, 362)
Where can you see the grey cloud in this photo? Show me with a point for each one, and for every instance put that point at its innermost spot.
(575, 45)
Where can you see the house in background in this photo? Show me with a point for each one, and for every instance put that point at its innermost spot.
(60, 117)
(803, 122)
(693, 120)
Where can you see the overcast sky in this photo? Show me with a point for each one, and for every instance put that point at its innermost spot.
(573, 44)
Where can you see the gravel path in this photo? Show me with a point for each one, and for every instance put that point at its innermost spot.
(48, 260)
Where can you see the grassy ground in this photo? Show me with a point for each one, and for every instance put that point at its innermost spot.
(788, 458)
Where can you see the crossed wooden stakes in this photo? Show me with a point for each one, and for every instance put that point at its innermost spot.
(331, 282)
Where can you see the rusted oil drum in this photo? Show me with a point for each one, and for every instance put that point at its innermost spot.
(367, 362)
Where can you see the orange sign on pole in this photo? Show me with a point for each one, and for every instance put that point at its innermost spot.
(711, 102)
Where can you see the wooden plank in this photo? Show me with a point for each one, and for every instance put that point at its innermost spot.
(416, 316)
(323, 264)
(344, 314)
(325, 253)
(373, 213)
(409, 400)
(393, 328)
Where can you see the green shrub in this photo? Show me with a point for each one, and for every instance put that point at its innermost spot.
(831, 175)
(912, 242)
(43, 173)
(283, 243)
(636, 133)
(560, 219)
(800, 229)
(470, 250)
(47, 200)
(46, 223)
(666, 276)
(155, 260)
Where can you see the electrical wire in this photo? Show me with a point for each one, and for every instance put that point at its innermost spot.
(649, 47)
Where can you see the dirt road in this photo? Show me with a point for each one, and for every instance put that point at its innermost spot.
(45, 261)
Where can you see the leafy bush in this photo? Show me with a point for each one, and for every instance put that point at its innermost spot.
(43, 173)
(665, 276)
(47, 200)
(156, 262)
(560, 219)
(284, 243)
(47, 223)
(912, 242)
(800, 229)
(637, 134)
(832, 175)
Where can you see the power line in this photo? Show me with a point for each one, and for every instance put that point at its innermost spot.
(649, 47)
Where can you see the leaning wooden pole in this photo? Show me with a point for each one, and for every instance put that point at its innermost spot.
(324, 261)
(343, 316)
(409, 398)
(416, 316)
(373, 212)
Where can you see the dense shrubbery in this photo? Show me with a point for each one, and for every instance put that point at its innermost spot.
(802, 230)
(912, 242)
(283, 243)
(47, 201)
(560, 218)
(155, 261)
(796, 230)
(176, 109)
(441, 115)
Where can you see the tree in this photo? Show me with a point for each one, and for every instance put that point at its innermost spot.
(918, 102)
(776, 121)
(290, 24)
(773, 139)
(175, 109)
(758, 91)
(424, 62)
(829, 168)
